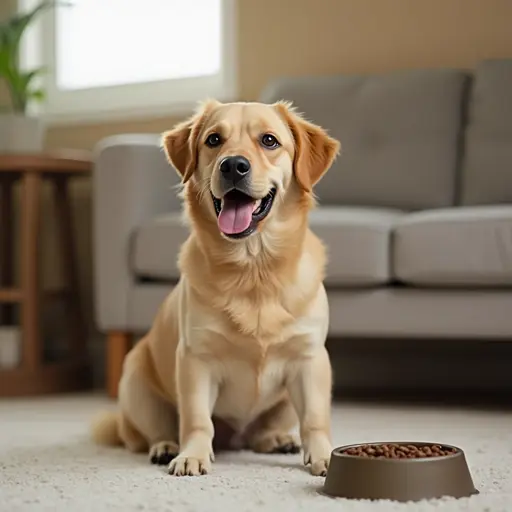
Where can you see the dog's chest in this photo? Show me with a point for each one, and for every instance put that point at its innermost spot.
(247, 390)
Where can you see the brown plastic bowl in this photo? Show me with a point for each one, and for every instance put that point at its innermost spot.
(354, 477)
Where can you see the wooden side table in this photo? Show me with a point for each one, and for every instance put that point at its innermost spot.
(34, 375)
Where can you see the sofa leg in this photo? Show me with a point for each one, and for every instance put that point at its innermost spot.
(118, 345)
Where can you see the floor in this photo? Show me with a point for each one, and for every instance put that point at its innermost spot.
(48, 463)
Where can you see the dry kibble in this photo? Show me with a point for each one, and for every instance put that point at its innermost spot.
(397, 451)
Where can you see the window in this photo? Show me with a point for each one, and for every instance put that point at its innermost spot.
(120, 58)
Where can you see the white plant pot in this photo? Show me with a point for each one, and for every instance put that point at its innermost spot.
(10, 347)
(21, 134)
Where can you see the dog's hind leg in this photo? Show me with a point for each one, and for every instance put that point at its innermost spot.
(270, 432)
(131, 437)
(147, 413)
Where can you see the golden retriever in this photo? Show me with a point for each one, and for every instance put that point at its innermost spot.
(241, 338)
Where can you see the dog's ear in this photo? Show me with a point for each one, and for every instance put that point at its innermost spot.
(315, 150)
(180, 143)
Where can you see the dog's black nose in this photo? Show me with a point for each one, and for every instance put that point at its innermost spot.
(234, 168)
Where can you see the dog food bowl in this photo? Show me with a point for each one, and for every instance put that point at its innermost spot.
(399, 471)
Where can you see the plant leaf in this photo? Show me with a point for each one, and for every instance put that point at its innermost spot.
(5, 53)
(26, 77)
(37, 95)
(18, 23)
(11, 33)
(4, 62)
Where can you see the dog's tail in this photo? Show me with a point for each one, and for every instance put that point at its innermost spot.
(105, 429)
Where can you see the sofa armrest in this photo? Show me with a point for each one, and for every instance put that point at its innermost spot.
(132, 182)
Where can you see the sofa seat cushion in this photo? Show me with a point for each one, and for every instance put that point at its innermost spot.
(357, 241)
(156, 245)
(458, 246)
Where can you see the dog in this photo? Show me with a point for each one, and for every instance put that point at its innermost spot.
(240, 340)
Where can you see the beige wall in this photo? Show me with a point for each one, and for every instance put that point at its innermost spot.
(366, 36)
(323, 36)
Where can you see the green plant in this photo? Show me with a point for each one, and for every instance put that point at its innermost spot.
(20, 83)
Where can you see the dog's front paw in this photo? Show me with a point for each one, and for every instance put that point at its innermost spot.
(163, 453)
(319, 467)
(190, 466)
(318, 454)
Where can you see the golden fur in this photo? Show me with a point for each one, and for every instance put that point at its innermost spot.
(241, 337)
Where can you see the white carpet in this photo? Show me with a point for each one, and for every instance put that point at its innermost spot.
(48, 463)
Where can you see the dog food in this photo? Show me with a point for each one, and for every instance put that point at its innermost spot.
(399, 451)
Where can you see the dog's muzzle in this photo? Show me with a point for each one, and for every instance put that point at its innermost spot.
(235, 172)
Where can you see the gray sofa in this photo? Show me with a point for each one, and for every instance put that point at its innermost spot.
(416, 213)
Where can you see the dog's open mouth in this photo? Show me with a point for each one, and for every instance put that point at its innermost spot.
(238, 214)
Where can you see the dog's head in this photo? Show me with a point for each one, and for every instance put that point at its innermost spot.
(248, 161)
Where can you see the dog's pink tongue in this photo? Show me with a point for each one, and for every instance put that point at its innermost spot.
(235, 215)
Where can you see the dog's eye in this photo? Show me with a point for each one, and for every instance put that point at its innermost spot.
(269, 141)
(213, 140)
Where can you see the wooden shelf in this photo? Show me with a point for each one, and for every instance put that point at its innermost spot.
(14, 295)
(55, 162)
(50, 378)
(10, 295)
(35, 375)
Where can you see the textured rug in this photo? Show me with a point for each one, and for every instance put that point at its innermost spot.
(48, 463)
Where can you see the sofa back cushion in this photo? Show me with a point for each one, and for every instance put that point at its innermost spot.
(487, 164)
(399, 134)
